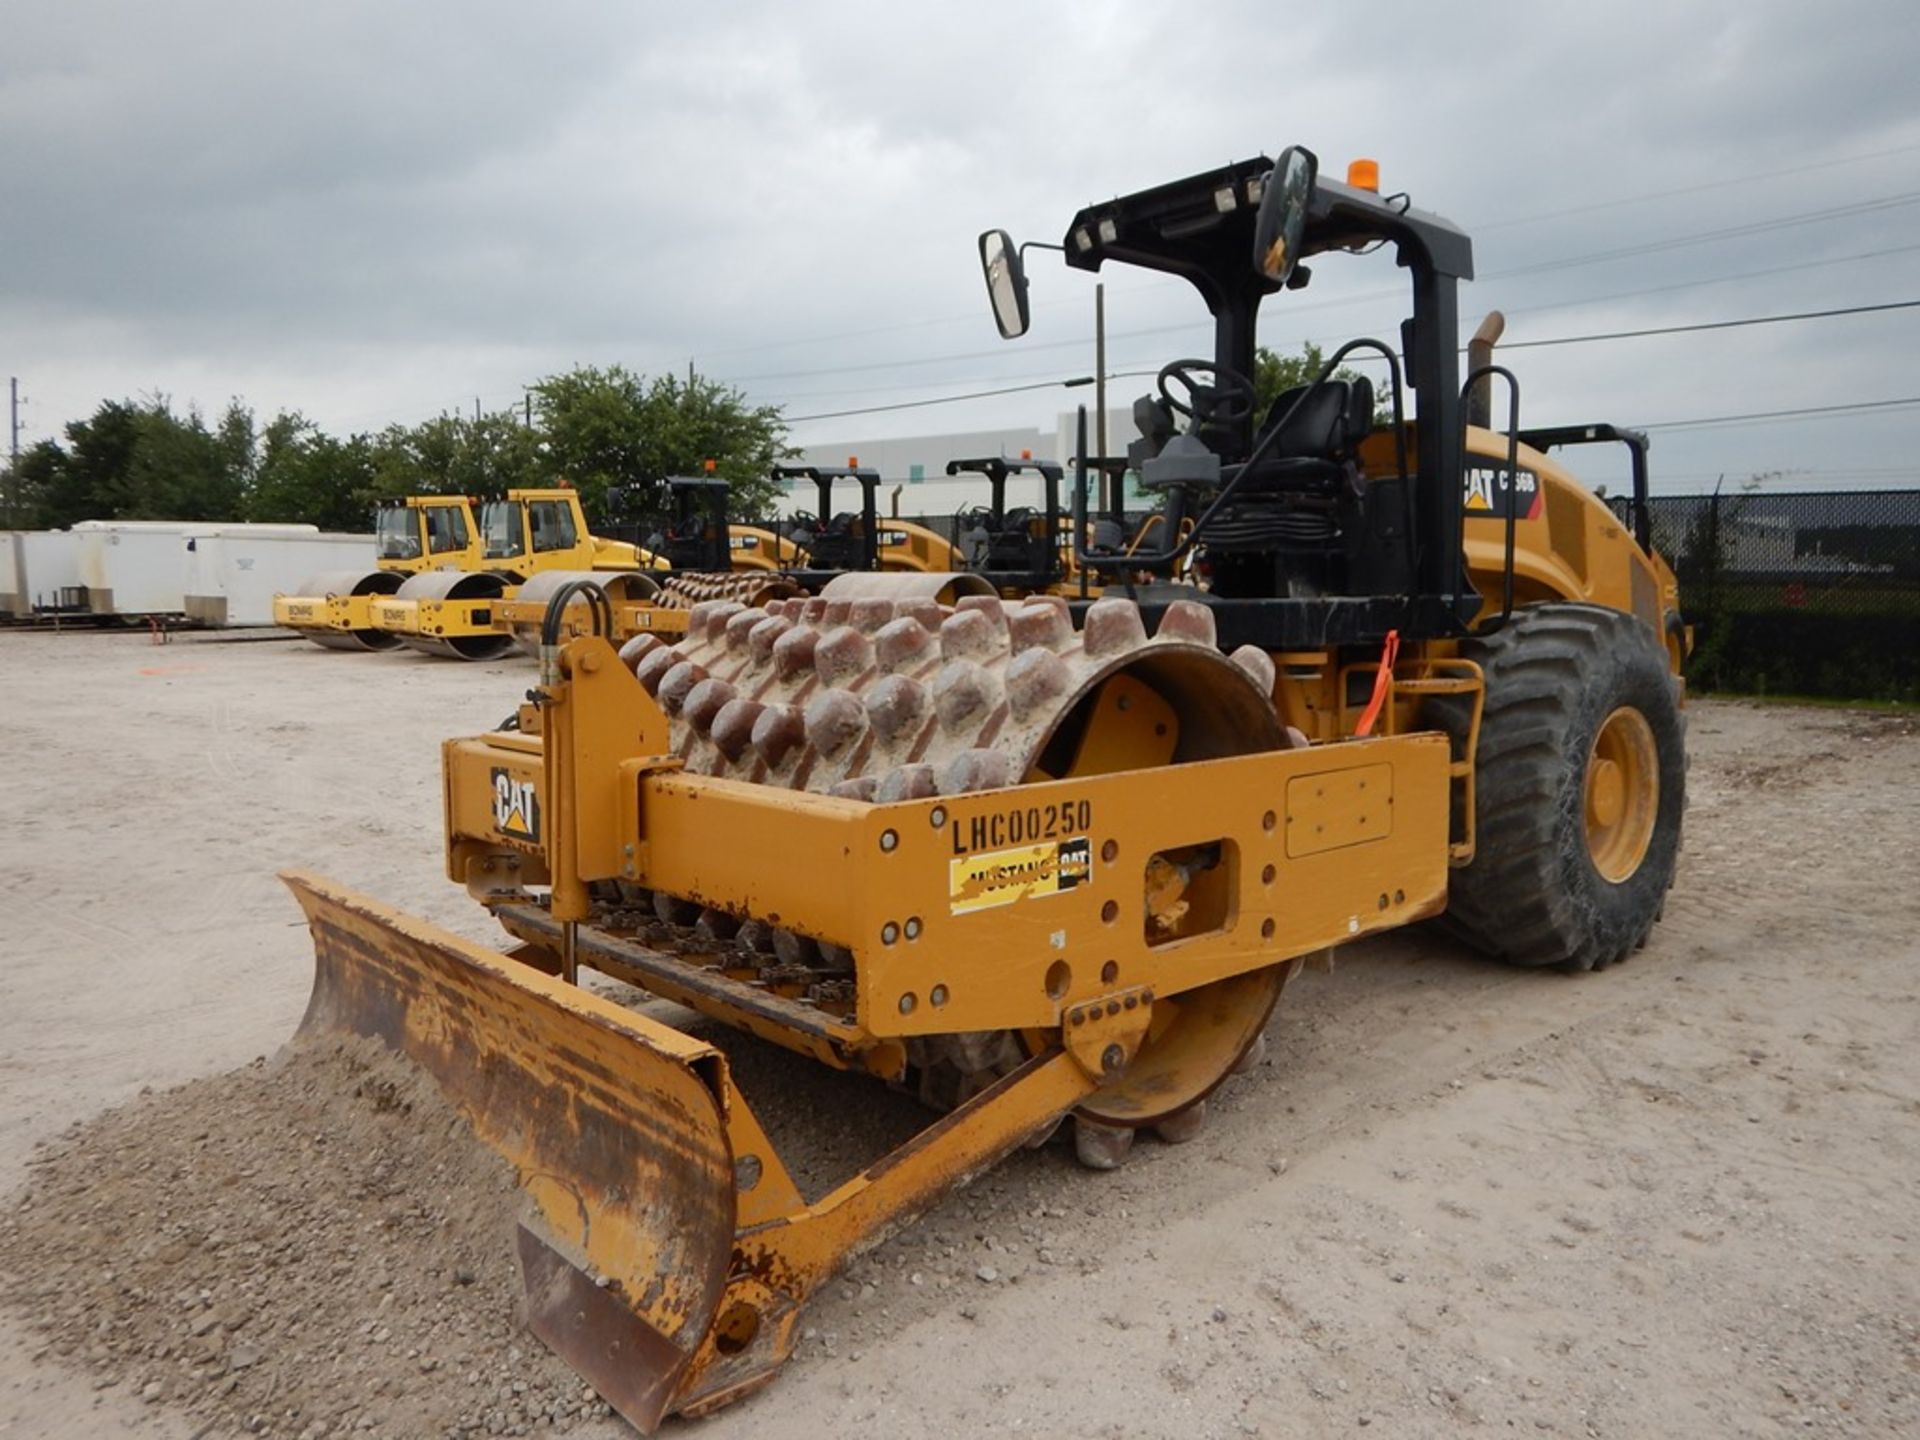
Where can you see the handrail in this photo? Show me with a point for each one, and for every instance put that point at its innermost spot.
(1513, 472)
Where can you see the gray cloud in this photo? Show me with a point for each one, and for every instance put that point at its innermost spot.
(371, 212)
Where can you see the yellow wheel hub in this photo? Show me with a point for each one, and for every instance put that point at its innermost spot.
(1622, 794)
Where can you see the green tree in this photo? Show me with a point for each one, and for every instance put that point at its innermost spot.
(42, 488)
(598, 429)
(93, 482)
(1274, 373)
(303, 474)
(182, 470)
(455, 455)
(141, 461)
(609, 428)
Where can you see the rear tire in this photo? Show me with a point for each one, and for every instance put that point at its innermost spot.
(1581, 784)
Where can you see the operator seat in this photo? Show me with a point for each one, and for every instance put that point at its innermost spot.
(833, 541)
(1320, 445)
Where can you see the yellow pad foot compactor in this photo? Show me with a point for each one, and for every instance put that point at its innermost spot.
(1053, 872)
(1042, 862)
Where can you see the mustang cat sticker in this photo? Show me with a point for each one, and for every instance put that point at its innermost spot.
(1024, 872)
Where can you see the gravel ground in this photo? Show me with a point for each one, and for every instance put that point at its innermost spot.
(1676, 1198)
(306, 1246)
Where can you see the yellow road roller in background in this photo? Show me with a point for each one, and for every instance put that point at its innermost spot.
(419, 533)
(450, 613)
(709, 557)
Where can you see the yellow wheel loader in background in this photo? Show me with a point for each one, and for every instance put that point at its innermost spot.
(419, 533)
(1045, 862)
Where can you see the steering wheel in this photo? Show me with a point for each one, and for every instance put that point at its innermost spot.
(1229, 397)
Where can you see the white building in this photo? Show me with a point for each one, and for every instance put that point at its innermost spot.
(913, 469)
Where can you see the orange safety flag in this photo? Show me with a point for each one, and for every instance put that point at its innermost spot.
(1382, 686)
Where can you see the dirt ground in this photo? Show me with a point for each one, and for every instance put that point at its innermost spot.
(1681, 1197)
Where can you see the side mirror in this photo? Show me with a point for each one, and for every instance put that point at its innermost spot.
(1282, 222)
(1006, 283)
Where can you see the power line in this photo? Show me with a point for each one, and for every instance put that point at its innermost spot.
(1770, 270)
(1904, 473)
(1707, 421)
(1695, 188)
(941, 400)
(1738, 323)
(1712, 325)
(1475, 228)
(1471, 227)
(1696, 423)
(1148, 332)
(1729, 232)
(1635, 294)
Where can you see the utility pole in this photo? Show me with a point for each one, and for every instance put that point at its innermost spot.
(1100, 383)
(13, 464)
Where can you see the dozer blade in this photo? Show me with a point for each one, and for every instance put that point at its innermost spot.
(613, 1122)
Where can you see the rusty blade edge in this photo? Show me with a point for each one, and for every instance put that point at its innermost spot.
(632, 1366)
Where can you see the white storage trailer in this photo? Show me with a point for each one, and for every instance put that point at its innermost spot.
(45, 573)
(139, 567)
(234, 572)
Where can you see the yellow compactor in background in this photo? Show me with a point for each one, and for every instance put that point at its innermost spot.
(708, 556)
(527, 535)
(836, 541)
(420, 533)
(1046, 863)
(714, 558)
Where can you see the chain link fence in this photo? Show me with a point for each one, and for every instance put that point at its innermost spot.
(1813, 593)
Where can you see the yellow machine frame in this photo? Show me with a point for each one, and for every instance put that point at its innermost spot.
(754, 547)
(905, 546)
(950, 929)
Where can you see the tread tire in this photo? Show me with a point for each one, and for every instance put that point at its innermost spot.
(1531, 895)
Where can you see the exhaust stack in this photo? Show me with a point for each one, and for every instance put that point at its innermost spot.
(1480, 353)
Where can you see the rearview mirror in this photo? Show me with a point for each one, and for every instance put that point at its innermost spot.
(1006, 283)
(1282, 222)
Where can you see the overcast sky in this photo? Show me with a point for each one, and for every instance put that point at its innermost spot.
(376, 212)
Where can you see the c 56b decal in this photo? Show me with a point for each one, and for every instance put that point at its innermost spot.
(1491, 489)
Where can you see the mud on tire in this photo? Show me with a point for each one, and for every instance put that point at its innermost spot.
(1533, 894)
